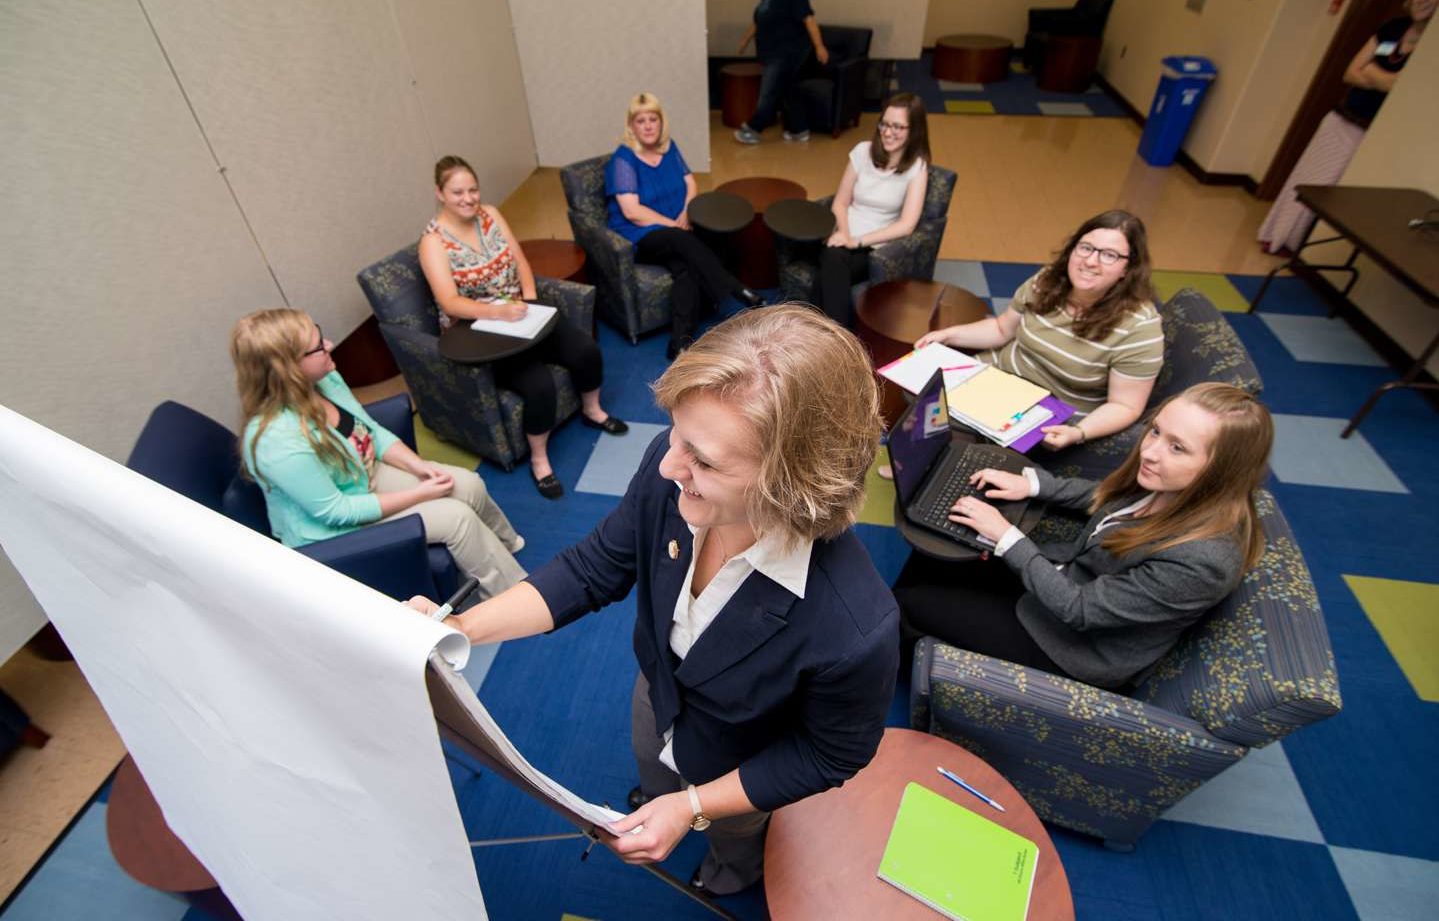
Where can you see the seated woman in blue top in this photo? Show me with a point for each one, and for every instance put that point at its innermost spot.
(880, 198)
(650, 186)
(327, 468)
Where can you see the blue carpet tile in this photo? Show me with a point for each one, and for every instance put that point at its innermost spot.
(1017, 94)
(1339, 821)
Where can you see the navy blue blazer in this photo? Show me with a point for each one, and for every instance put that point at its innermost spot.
(794, 692)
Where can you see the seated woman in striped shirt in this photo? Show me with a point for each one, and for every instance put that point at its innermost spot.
(1083, 327)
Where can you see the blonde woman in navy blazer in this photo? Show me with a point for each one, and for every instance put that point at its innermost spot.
(742, 513)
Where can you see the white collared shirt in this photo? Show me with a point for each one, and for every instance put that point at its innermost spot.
(693, 615)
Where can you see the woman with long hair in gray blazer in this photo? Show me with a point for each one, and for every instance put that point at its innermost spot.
(1170, 534)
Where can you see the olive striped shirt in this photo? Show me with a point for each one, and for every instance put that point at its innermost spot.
(1046, 351)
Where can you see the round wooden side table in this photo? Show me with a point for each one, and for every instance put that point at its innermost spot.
(561, 259)
(891, 315)
(822, 853)
(972, 58)
(739, 91)
(755, 243)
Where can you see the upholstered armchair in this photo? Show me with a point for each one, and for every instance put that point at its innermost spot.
(913, 256)
(634, 299)
(1257, 667)
(462, 403)
(1199, 345)
(199, 458)
(833, 93)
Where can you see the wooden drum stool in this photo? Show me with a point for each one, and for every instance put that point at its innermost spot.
(972, 58)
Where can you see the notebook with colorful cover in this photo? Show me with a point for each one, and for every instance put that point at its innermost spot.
(956, 861)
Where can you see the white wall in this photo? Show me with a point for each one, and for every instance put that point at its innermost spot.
(1266, 52)
(987, 17)
(583, 62)
(1397, 151)
(898, 24)
(127, 257)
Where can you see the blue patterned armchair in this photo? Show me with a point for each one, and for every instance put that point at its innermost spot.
(634, 299)
(1199, 345)
(1257, 667)
(913, 256)
(462, 403)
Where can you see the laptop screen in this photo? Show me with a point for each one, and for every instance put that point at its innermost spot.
(919, 437)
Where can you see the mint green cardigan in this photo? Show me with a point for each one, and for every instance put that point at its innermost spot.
(306, 498)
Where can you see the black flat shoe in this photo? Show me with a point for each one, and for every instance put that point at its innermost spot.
(549, 485)
(611, 425)
(637, 798)
(749, 298)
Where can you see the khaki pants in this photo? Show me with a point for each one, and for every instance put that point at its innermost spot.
(469, 523)
(736, 856)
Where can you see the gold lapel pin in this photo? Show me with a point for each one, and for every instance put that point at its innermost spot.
(674, 549)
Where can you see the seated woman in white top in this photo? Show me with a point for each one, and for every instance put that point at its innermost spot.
(880, 198)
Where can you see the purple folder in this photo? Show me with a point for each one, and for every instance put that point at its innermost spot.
(1060, 411)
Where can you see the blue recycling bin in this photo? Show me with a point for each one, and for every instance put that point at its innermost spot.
(1182, 85)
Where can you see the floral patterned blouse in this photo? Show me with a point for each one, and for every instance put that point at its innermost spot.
(480, 274)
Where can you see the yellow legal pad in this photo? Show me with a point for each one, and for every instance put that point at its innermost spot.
(994, 398)
(958, 862)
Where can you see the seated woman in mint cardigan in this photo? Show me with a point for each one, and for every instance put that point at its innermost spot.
(327, 468)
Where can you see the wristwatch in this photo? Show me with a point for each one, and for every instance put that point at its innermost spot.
(701, 821)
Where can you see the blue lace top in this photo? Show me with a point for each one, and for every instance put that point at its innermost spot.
(661, 188)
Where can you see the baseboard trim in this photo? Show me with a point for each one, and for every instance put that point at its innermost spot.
(1201, 175)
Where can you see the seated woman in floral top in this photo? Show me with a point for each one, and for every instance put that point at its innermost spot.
(476, 270)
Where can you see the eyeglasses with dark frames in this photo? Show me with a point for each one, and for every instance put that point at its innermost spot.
(1084, 250)
(319, 348)
(893, 127)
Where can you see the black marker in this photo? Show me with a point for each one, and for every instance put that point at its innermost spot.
(448, 608)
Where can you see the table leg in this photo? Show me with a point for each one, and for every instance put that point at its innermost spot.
(1407, 381)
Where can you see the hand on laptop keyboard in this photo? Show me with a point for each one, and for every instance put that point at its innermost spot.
(1002, 485)
(985, 519)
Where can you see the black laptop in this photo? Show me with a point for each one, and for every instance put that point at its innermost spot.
(931, 474)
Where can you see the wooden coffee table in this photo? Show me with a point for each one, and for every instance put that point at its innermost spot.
(755, 244)
(891, 315)
(972, 58)
(822, 853)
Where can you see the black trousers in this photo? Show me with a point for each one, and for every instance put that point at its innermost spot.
(839, 269)
(567, 346)
(968, 605)
(700, 279)
(779, 86)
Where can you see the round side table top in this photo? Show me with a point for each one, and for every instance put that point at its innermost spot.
(904, 309)
(763, 191)
(799, 219)
(720, 212)
(822, 853)
(143, 845)
(466, 346)
(554, 258)
(743, 69)
(975, 42)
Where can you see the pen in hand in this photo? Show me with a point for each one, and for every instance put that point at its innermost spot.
(949, 775)
(448, 608)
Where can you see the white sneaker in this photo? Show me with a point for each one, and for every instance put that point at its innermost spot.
(798, 136)
(746, 135)
(516, 545)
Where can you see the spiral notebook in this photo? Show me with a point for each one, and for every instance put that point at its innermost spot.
(956, 861)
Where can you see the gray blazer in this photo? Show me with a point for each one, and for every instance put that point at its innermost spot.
(1102, 618)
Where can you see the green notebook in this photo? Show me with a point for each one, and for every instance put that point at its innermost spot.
(956, 861)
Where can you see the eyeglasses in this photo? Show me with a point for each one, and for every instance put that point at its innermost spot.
(1107, 256)
(893, 127)
(319, 348)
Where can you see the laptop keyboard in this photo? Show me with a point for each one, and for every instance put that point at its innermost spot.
(939, 496)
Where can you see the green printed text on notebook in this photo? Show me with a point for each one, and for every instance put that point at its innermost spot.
(956, 861)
